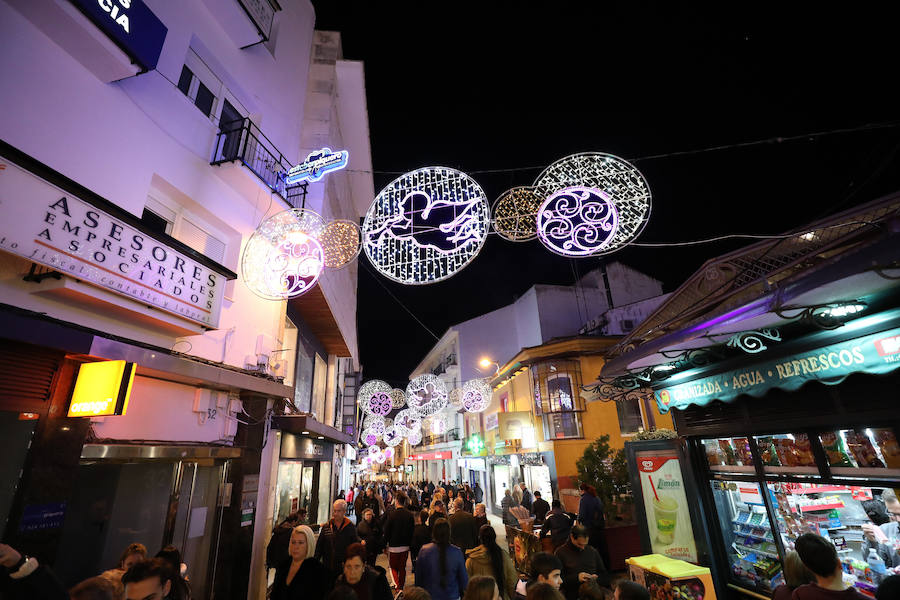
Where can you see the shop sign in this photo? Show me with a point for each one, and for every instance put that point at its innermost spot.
(40, 517)
(475, 445)
(45, 225)
(444, 455)
(317, 165)
(130, 25)
(666, 505)
(491, 421)
(296, 447)
(512, 424)
(102, 389)
(877, 353)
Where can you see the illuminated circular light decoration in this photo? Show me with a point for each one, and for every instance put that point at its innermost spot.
(398, 398)
(515, 214)
(456, 398)
(577, 221)
(407, 420)
(375, 423)
(476, 395)
(626, 187)
(283, 258)
(392, 436)
(374, 398)
(369, 437)
(341, 242)
(426, 394)
(426, 225)
(438, 424)
(415, 437)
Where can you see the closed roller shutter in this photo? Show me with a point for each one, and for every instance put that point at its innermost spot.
(26, 374)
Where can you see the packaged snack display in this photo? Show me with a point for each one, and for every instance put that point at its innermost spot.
(742, 449)
(768, 452)
(890, 449)
(803, 449)
(862, 448)
(714, 454)
(834, 448)
(728, 451)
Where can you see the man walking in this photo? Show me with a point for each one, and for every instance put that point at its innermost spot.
(335, 536)
(526, 496)
(539, 508)
(398, 533)
(463, 534)
(557, 525)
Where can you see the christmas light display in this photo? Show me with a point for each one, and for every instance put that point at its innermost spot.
(438, 423)
(515, 214)
(426, 394)
(476, 395)
(577, 221)
(283, 257)
(369, 437)
(398, 398)
(627, 189)
(415, 437)
(392, 436)
(455, 398)
(426, 225)
(341, 242)
(407, 420)
(374, 398)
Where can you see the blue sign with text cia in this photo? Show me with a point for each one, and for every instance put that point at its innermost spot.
(38, 517)
(130, 25)
(316, 165)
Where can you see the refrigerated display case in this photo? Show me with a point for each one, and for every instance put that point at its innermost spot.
(766, 489)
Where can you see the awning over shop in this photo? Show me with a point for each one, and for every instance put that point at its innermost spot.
(877, 353)
(308, 425)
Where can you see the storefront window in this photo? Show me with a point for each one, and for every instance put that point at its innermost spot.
(729, 454)
(501, 482)
(749, 542)
(629, 411)
(848, 516)
(556, 397)
(787, 453)
(848, 450)
(324, 491)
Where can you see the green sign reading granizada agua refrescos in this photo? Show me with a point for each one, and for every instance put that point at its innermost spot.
(876, 353)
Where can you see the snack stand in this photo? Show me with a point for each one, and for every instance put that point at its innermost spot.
(671, 579)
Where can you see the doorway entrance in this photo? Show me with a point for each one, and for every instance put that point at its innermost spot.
(154, 502)
(297, 487)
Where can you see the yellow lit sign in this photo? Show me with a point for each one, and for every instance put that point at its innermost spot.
(102, 389)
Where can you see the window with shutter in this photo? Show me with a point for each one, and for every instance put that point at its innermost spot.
(200, 240)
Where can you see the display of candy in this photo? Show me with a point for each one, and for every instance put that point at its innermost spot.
(714, 454)
(862, 449)
(662, 588)
(834, 448)
(890, 449)
(742, 450)
(743, 517)
(768, 452)
(757, 518)
(728, 451)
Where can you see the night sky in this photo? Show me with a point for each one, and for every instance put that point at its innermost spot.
(510, 86)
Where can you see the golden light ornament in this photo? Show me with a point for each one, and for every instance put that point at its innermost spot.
(283, 258)
(515, 214)
(341, 242)
(398, 398)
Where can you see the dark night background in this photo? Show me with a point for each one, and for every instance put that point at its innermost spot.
(506, 85)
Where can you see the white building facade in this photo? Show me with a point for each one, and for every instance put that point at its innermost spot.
(143, 143)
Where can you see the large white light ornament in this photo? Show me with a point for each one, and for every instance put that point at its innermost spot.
(415, 437)
(577, 221)
(627, 192)
(398, 398)
(407, 420)
(392, 436)
(369, 437)
(426, 394)
(341, 243)
(476, 395)
(283, 258)
(426, 225)
(374, 398)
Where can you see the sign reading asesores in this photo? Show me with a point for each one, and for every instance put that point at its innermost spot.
(43, 224)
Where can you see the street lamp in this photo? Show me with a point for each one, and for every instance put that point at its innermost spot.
(486, 362)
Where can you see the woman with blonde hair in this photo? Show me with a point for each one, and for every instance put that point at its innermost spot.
(795, 575)
(301, 575)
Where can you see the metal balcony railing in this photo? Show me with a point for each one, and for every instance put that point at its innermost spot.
(241, 140)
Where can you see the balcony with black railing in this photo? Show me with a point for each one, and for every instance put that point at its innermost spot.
(242, 141)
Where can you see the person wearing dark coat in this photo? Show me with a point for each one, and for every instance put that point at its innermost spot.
(334, 538)
(370, 532)
(367, 583)
(277, 550)
(24, 577)
(526, 497)
(557, 525)
(301, 575)
(398, 533)
(479, 493)
(590, 514)
(371, 501)
(580, 562)
(421, 536)
(463, 531)
(539, 508)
